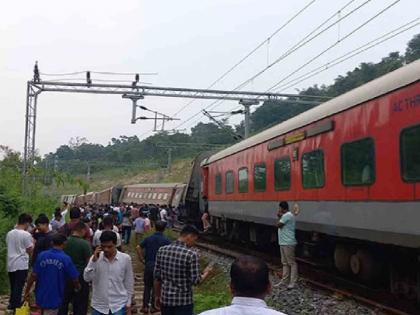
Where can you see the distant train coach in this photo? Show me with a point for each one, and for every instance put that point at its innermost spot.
(163, 194)
(352, 166)
(110, 195)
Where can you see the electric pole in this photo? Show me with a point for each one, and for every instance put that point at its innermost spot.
(169, 160)
(247, 112)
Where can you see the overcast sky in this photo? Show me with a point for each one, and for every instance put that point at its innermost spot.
(189, 43)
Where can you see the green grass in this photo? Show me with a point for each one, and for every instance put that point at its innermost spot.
(213, 292)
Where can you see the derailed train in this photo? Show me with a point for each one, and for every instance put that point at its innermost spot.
(350, 167)
(171, 194)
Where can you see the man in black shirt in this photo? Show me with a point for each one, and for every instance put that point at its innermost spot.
(153, 214)
(42, 236)
(147, 251)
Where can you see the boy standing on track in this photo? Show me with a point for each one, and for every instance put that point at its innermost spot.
(50, 271)
(287, 243)
(139, 225)
(19, 247)
(79, 250)
(147, 251)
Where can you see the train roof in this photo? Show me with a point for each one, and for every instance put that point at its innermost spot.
(164, 185)
(380, 86)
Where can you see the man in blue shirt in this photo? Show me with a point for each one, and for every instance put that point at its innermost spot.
(147, 251)
(49, 272)
(287, 243)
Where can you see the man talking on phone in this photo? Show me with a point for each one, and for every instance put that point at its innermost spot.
(111, 274)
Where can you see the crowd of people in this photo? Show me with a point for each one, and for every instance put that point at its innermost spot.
(80, 254)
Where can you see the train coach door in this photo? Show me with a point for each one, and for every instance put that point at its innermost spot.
(204, 187)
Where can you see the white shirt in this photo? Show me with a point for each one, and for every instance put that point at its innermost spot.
(96, 238)
(112, 282)
(244, 306)
(163, 215)
(18, 241)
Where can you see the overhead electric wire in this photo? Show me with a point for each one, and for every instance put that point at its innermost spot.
(350, 54)
(305, 40)
(251, 53)
(124, 73)
(335, 44)
(291, 50)
(98, 80)
(62, 74)
(97, 72)
(242, 60)
(369, 45)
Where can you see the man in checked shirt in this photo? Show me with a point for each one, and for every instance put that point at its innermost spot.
(176, 271)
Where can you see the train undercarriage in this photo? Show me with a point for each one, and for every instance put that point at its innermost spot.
(391, 268)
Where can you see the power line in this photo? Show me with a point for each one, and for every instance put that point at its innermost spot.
(291, 50)
(251, 52)
(97, 80)
(239, 63)
(305, 40)
(125, 73)
(63, 74)
(348, 55)
(335, 44)
(98, 72)
(369, 45)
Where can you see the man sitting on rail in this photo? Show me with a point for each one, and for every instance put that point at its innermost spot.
(249, 285)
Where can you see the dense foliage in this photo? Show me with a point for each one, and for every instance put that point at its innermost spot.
(12, 203)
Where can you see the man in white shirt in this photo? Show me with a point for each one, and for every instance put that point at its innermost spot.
(163, 214)
(19, 248)
(111, 274)
(249, 285)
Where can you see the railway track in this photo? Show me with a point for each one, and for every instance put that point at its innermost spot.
(312, 275)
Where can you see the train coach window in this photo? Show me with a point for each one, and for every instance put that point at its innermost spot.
(229, 182)
(358, 162)
(243, 180)
(218, 184)
(282, 176)
(410, 154)
(259, 177)
(313, 175)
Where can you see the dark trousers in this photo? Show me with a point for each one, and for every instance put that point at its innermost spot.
(17, 281)
(79, 300)
(126, 232)
(149, 292)
(177, 310)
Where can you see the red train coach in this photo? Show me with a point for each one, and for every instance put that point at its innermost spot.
(352, 165)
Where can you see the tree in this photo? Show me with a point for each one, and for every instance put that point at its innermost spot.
(211, 134)
(64, 152)
(412, 53)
